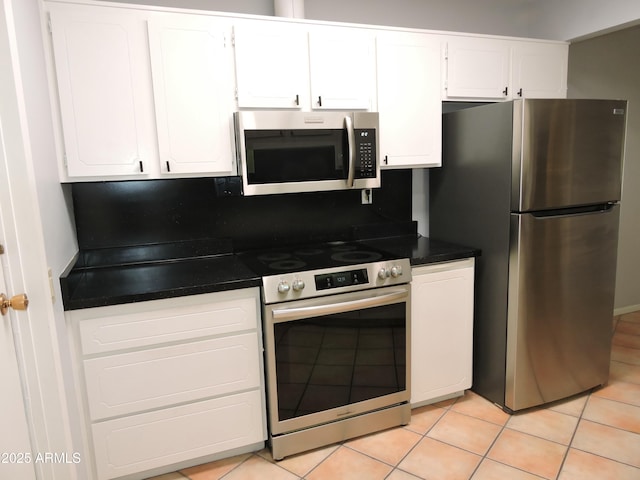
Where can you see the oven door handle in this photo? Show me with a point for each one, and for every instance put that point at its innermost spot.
(285, 314)
(351, 143)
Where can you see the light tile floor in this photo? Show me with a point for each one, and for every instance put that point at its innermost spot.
(588, 437)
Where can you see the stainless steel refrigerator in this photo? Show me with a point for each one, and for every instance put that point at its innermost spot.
(535, 184)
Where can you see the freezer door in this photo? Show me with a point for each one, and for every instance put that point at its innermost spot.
(566, 152)
(561, 289)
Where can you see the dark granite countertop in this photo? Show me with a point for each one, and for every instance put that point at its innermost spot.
(125, 275)
(424, 250)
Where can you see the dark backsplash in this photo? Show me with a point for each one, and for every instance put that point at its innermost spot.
(131, 213)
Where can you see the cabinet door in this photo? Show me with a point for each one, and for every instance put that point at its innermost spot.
(539, 70)
(408, 74)
(191, 67)
(441, 330)
(133, 444)
(477, 68)
(106, 108)
(271, 65)
(342, 68)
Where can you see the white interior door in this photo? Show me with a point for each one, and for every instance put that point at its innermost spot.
(32, 416)
(16, 457)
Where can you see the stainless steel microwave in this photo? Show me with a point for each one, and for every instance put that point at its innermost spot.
(287, 152)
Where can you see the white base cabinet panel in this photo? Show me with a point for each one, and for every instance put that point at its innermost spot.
(441, 330)
(138, 325)
(122, 384)
(167, 381)
(142, 442)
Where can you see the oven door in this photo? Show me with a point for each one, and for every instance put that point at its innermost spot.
(335, 357)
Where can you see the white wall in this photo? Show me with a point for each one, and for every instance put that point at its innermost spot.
(607, 67)
(251, 7)
(501, 17)
(574, 19)
(548, 19)
(55, 215)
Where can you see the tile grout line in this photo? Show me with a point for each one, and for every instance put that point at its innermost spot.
(396, 466)
(422, 437)
(622, 402)
(237, 466)
(575, 430)
(606, 458)
(504, 426)
(485, 457)
(581, 418)
(340, 445)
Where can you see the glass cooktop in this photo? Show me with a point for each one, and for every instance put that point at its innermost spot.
(300, 258)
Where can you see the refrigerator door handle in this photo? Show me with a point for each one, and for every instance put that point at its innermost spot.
(573, 211)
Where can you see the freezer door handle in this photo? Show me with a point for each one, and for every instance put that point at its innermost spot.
(569, 212)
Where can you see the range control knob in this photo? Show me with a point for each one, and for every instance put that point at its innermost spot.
(298, 285)
(396, 271)
(283, 287)
(383, 273)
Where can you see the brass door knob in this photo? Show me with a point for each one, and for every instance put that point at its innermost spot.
(17, 302)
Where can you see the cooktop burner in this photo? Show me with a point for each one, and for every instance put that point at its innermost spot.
(311, 257)
(307, 271)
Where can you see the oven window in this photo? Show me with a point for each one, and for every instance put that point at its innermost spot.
(333, 361)
(277, 156)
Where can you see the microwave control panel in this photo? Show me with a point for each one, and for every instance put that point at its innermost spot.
(365, 152)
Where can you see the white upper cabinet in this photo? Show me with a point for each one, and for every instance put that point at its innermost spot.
(150, 93)
(286, 65)
(476, 68)
(272, 67)
(192, 75)
(481, 68)
(342, 68)
(539, 70)
(101, 64)
(408, 98)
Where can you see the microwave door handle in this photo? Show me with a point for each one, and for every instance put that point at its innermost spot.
(351, 144)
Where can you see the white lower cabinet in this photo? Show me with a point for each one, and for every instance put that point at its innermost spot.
(441, 330)
(168, 375)
(141, 442)
(168, 382)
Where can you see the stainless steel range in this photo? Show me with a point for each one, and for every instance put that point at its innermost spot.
(337, 334)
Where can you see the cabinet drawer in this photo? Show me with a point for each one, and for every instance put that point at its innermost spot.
(137, 381)
(106, 329)
(142, 442)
